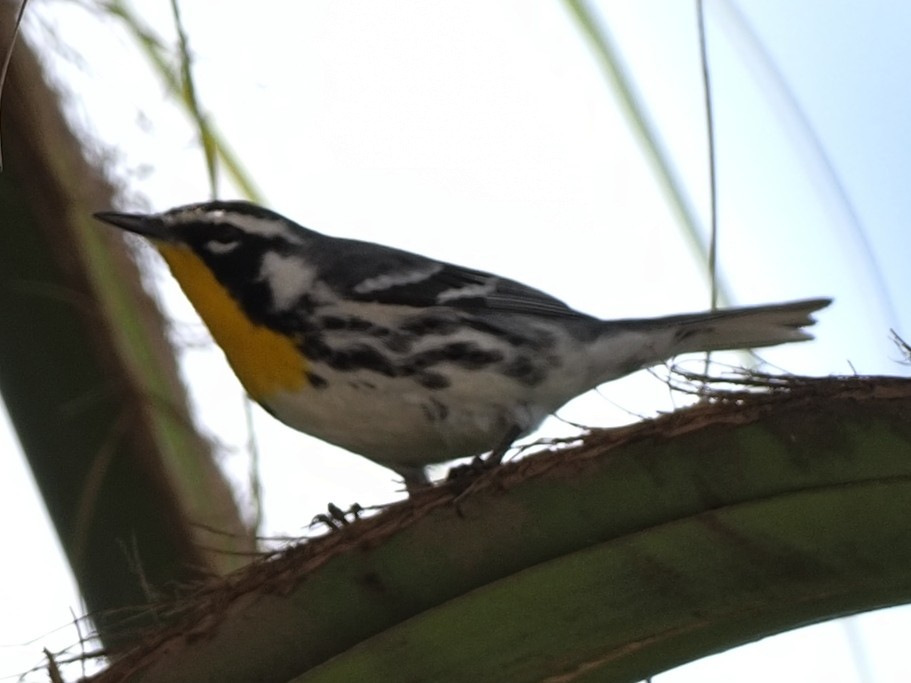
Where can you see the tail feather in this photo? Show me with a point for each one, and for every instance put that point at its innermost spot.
(733, 328)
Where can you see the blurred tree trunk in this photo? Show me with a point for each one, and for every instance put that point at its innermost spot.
(88, 376)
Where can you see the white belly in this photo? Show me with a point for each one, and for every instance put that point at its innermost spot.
(395, 421)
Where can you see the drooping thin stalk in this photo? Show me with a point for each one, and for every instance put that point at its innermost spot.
(609, 59)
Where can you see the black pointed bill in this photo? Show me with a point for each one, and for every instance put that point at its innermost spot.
(152, 226)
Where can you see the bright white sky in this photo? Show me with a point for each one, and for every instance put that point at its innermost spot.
(483, 133)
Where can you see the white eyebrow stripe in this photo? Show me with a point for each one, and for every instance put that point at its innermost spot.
(389, 280)
(250, 224)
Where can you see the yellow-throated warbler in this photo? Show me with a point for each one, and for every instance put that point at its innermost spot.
(400, 358)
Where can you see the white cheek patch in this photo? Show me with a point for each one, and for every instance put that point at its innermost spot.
(261, 226)
(289, 277)
(390, 280)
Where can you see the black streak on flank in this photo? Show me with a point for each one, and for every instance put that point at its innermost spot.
(346, 359)
(524, 370)
(432, 380)
(434, 410)
(398, 343)
(361, 357)
(316, 381)
(351, 323)
(394, 341)
(529, 339)
(362, 385)
(462, 354)
(354, 357)
(424, 325)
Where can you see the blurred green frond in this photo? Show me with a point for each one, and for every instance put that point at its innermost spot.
(179, 79)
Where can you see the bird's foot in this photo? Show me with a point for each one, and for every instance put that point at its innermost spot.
(461, 476)
(336, 518)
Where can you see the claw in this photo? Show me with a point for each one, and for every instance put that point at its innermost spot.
(336, 518)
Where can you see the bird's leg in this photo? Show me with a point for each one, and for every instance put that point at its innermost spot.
(481, 464)
(415, 478)
(496, 455)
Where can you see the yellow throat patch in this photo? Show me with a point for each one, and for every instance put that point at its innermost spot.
(265, 361)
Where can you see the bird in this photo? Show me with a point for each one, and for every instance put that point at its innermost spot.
(403, 359)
